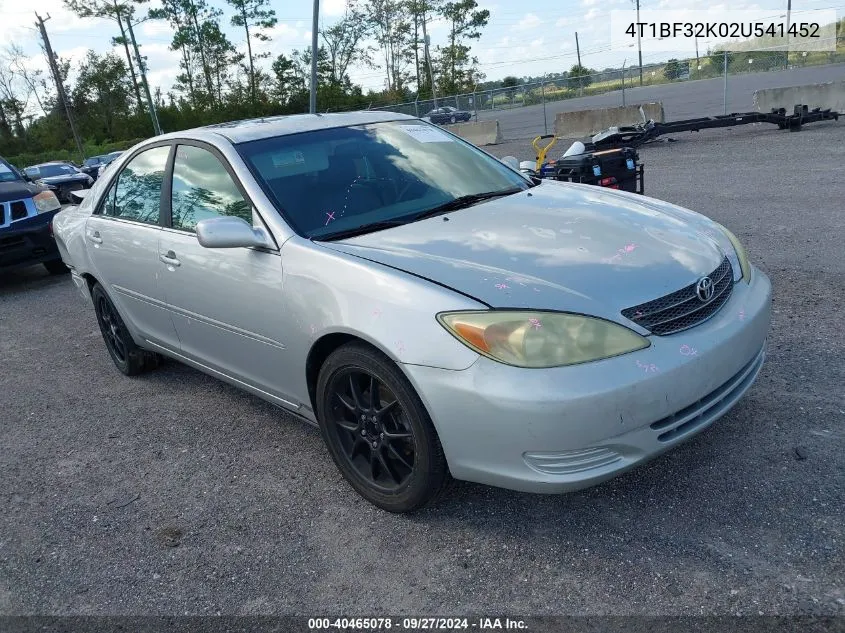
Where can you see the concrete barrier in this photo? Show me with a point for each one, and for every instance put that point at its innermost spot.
(588, 122)
(830, 95)
(478, 132)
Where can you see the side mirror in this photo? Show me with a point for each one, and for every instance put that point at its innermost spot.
(511, 161)
(231, 232)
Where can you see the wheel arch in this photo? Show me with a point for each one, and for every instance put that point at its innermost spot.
(325, 345)
(90, 280)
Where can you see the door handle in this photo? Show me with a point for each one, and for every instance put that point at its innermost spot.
(170, 259)
(95, 237)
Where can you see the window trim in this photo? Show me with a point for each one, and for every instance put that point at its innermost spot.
(115, 176)
(167, 211)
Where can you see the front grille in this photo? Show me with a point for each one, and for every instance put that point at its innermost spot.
(683, 309)
(17, 210)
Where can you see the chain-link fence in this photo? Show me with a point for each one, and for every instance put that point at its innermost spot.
(561, 87)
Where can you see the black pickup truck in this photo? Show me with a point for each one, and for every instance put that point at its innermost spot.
(26, 216)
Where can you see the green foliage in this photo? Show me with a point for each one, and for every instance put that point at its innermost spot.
(458, 69)
(672, 70)
(580, 76)
(219, 79)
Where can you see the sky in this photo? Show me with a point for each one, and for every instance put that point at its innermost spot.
(520, 39)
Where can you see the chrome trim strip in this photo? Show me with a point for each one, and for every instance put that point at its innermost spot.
(198, 317)
(225, 326)
(138, 296)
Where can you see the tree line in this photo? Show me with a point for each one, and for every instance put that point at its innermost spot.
(218, 82)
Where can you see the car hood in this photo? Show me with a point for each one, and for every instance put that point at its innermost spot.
(557, 246)
(17, 190)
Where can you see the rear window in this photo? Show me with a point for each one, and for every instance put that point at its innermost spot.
(50, 171)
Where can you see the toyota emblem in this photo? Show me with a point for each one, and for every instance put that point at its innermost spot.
(705, 289)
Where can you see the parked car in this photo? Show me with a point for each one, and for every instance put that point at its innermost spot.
(61, 175)
(448, 114)
(108, 159)
(432, 310)
(26, 212)
(91, 165)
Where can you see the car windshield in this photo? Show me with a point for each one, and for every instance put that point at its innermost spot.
(336, 181)
(94, 160)
(49, 171)
(7, 174)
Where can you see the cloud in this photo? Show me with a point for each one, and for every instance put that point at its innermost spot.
(158, 29)
(332, 8)
(528, 22)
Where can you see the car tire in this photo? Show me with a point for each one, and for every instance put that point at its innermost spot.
(453, 119)
(387, 449)
(56, 267)
(130, 359)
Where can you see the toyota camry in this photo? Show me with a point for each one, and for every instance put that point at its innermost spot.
(433, 311)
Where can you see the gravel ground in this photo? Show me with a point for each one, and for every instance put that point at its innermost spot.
(174, 493)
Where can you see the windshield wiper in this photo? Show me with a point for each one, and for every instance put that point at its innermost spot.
(360, 230)
(462, 202)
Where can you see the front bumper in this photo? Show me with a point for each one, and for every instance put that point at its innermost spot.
(27, 242)
(562, 429)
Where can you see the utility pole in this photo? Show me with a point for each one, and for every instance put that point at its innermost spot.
(623, 80)
(314, 28)
(427, 41)
(639, 43)
(60, 89)
(788, 20)
(580, 67)
(697, 63)
(125, 41)
(143, 70)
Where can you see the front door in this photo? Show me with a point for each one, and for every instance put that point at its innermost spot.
(226, 303)
(123, 237)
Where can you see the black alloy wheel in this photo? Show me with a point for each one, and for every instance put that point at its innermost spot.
(378, 432)
(127, 356)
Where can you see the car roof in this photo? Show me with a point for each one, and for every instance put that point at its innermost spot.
(50, 163)
(266, 127)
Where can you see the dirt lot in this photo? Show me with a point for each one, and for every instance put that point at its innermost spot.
(174, 493)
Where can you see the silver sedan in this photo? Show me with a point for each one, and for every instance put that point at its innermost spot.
(437, 314)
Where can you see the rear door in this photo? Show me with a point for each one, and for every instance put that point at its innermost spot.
(122, 236)
(226, 303)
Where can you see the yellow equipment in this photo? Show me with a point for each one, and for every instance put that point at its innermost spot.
(542, 151)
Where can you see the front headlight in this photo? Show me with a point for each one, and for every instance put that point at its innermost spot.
(46, 201)
(540, 339)
(741, 255)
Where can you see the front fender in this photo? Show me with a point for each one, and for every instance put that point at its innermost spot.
(330, 292)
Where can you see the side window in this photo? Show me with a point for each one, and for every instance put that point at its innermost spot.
(137, 193)
(202, 188)
(107, 207)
